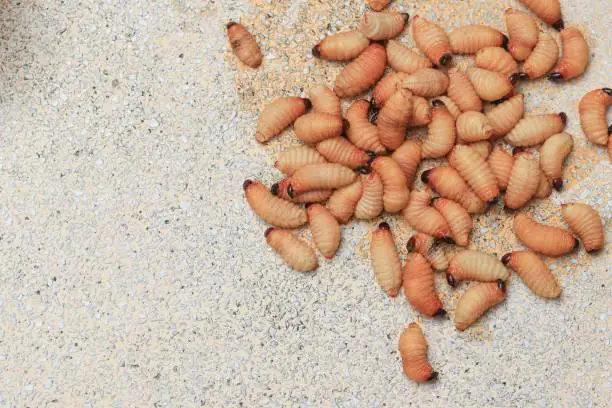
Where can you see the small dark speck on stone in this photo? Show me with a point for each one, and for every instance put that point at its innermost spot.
(38, 292)
(181, 55)
(54, 279)
(167, 222)
(157, 376)
(115, 83)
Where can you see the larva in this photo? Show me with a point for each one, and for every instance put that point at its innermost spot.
(315, 196)
(441, 132)
(320, 176)
(315, 127)
(519, 51)
(475, 171)
(341, 151)
(549, 11)
(534, 273)
(469, 39)
(408, 156)
(341, 47)
(543, 57)
(496, 59)
(403, 59)
(473, 126)
(586, 223)
(370, 204)
(271, 209)
(552, 155)
(343, 201)
(535, 129)
(426, 82)
(383, 25)
(294, 251)
(544, 187)
(522, 29)
(325, 229)
(424, 218)
(385, 260)
(432, 41)
(457, 218)
(489, 85)
(473, 265)
(413, 350)
(462, 92)
(420, 286)
(324, 100)
(450, 105)
(421, 112)
(393, 119)
(387, 87)
(361, 132)
(278, 115)
(575, 57)
(293, 158)
(426, 245)
(483, 148)
(506, 115)
(395, 187)
(593, 107)
(544, 239)
(524, 180)
(500, 162)
(476, 301)
(447, 182)
(361, 74)
(244, 45)
(378, 5)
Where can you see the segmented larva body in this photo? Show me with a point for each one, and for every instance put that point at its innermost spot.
(457, 218)
(432, 40)
(450, 105)
(593, 107)
(519, 51)
(294, 251)
(424, 218)
(543, 57)
(462, 92)
(476, 301)
(393, 119)
(472, 265)
(324, 100)
(278, 115)
(469, 39)
(343, 201)
(426, 82)
(523, 32)
(575, 56)
(489, 85)
(325, 229)
(341, 151)
(378, 5)
(483, 148)
(441, 133)
(385, 260)
(496, 59)
(271, 209)
(552, 155)
(320, 176)
(342, 46)
(408, 156)
(506, 115)
(548, 11)
(534, 273)
(500, 162)
(524, 180)
(585, 222)
(395, 186)
(315, 127)
(475, 171)
(315, 196)
(244, 45)
(361, 132)
(403, 59)
(387, 87)
(447, 182)
(426, 245)
(473, 126)
(288, 161)
(383, 25)
(535, 129)
(544, 187)
(361, 74)
(544, 239)
(413, 350)
(420, 286)
(421, 112)
(370, 204)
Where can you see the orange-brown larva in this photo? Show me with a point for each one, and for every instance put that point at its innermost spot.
(315, 196)
(371, 203)
(324, 100)
(543, 57)
(408, 156)
(420, 286)
(421, 112)
(393, 119)
(471, 38)
(544, 187)
(548, 11)
(483, 148)
(535, 129)
(361, 74)
(343, 46)
(457, 218)
(534, 273)
(523, 32)
(593, 107)
(450, 105)
(506, 115)
(524, 180)
(476, 301)
(500, 162)
(395, 187)
(473, 126)
(496, 59)
(575, 56)
(341, 151)
(462, 92)
(475, 171)
(426, 82)
(552, 155)
(403, 59)
(585, 222)
(378, 5)
(294, 251)
(343, 201)
(320, 176)
(441, 133)
(315, 127)
(278, 115)
(473, 265)
(447, 182)
(432, 40)
(387, 87)
(288, 161)
(424, 218)
(271, 209)
(325, 229)
(244, 45)
(383, 25)
(544, 239)
(489, 85)
(361, 132)
(385, 260)
(426, 245)
(413, 351)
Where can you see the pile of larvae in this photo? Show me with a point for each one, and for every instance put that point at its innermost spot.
(360, 164)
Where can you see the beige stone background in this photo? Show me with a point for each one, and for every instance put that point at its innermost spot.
(132, 273)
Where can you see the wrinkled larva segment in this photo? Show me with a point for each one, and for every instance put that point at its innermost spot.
(593, 107)
(294, 251)
(457, 218)
(500, 162)
(393, 119)
(288, 161)
(421, 112)
(315, 127)
(325, 229)
(363, 73)
(343, 201)
(544, 187)
(447, 182)
(544, 239)
(315, 196)
(343, 46)
(479, 298)
(244, 45)
(474, 265)
(441, 133)
(426, 82)
(489, 85)
(462, 92)
(506, 115)
(472, 127)
(522, 28)
(585, 222)
(341, 151)
(575, 56)
(320, 176)
(534, 273)
(385, 260)
(469, 39)
(361, 132)
(483, 148)
(552, 155)
(543, 57)
(475, 171)
(371, 203)
(278, 115)
(535, 129)
(378, 5)
(419, 286)
(404, 59)
(519, 51)
(408, 156)
(271, 209)
(432, 40)
(548, 11)
(324, 100)
(496, 59)
(413, 350)
(395, 186)
(424, 218)
(524, 180)
(383, 25)
(426, 245)
(387, 87)
(450, 105)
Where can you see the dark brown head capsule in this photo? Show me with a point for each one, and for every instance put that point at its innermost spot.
(448, 240)
(505, 42)
(246, 184)
(410, 244)
(506, 258)
(307, 103)
(437, 102)
(345, 125)
(563, 117)
(363, 170)
(231, 23)
(268, 231)
(445, 59)
(554, 76)
(290, 191)
(501, 284)
(440, 313)
(607, 90)
(557, 184)
(274, 189)
(373, 111)
(384, 226)
(433, 376)
(406, 16)
(576, 243)
(559, 25)
(425, 176)
(451, 279)
(316, 51)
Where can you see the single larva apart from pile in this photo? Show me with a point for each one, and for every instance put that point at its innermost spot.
(408, 156)
(475, 171)
(523, 32)
(548, 11)
(473, 126)
(371, 203)
(592, 108)
(324, 100)
(343, 201)
(383, 25)
(462, 92)
(586, 223)
(271, 209)
(506, 115)
(427, 246)
(534, 273)
(278, 115)
(500, 162)
(420, 286)
(473, 265)
(479, 298)
(393, 119)
(341, 151)
(421, 112)
(544, 187)
(544, 239)
(432, 40)
(535, 129)
(424, 218)
(426, 82)
(288, 161)
(441, 133)
(343, 46)
(294, 251)
(315, 127)
(483, 148)
(447, 182)
(244, 45)
(552, 155)
(361, 132)
(575, 57)
(472, 38)
(496, 59)
(457, 218)
(490, 85)
(543, 57)
(395, 187)
(378, 5)
(387, 87)
(524, 180)
(450, 105)
(404, 59)
(320, 176)
(363, 73)
(325, 229)
(413, 350)
(385, 260)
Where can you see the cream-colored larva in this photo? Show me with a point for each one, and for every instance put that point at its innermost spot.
(421, 112)
(393, 119)
(413, 351)
(315, 196)
(244, 45)
(426, 245)
(471, 38)
(426, 82)
(462, 92)
(473, 126)
(324, 100)
(523, 32)
(361, 132)
(547, 240)
(543, 57)
(395, 186)
(474, 265)
(475, 171)
(496, 59)
(552, 155)
(548, 10)
(385, 260)
(483, 148)
(271, 209)
(325, 229)
(408, 156)
(278, 115)
(476, 301)
(457, 218)
(585, 222)
(524, 180)
(343, 46)
(419, 285)
(320, 176)
(387, 87)
(424, 218)
(535, 129)
(371, 203)
(293, 158)
(441, 133)
(294, 251)
(432, 40)
(575, 56)
(383, 25)
(534, 273)
(593, 107)
(315, 127)
(343, 201)
(447, 182)
(500, 162)
(490, 85)
(506, 115)
(362, 73)
(404, 59)
(341, 151)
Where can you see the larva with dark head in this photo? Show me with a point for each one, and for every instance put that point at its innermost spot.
(496, 59)
(575, 57)
(522, 29)
(471, 38)
(363, 73)
(500, 162)
(489, 85)
(426, 82)
(420, 286)
(483, 148)
(408, 156)
(524, 180)
(548, 11)
(271, 209)
(393, 119)
(385, 260)
(479, 298)
(403, 59)
(432, 40)
(395, 186)
(441, 133)
(472, 127)
(506, 115)
(473, 265)
(324, 100)
(383, 25)
(462, 92)
(586, 223)
(387, 87)
(341, 151)
(544, 239)
(343, 201)
(534, 273)
(288, 161)
(543, 57)
(450, 105)
(552, 155)
(447, 182)
(315, 127)
(371, 203)
(457, 218)
(315, 196)
(424, 218)
(535, 129)
(341, 47)
(475, 171)
(426, 245)
(325, 229)
(421, 112)
(593, 107)
(278, 115)
(378, 5)
(544, 187)
(320, 176)
(361, 132)
(244, 45)
(294, 251)
(413, 350)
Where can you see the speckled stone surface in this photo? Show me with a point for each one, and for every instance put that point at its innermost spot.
(132, 272)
